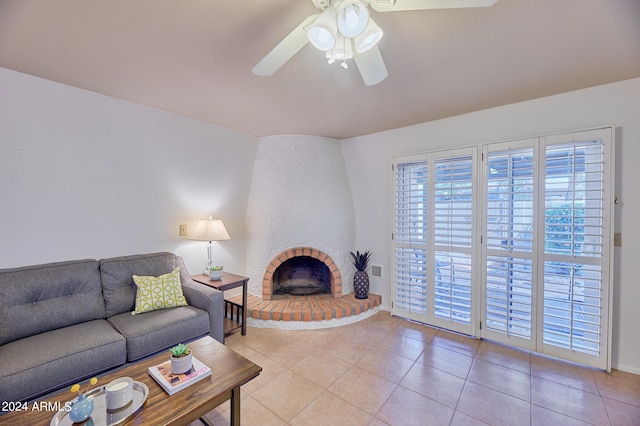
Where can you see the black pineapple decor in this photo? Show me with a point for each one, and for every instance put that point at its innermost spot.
(361, 278)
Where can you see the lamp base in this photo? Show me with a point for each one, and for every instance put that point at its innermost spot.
(209, 258)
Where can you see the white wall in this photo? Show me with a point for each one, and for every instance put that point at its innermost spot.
(87, 176)
(369, 159)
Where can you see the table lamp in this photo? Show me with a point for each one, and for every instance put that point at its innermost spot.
(210, 230)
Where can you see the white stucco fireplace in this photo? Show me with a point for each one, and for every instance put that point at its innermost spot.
(299, 205)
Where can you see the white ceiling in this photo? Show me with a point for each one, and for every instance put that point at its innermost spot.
(194, 58)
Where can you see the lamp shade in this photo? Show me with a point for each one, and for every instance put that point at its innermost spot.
(210, 230)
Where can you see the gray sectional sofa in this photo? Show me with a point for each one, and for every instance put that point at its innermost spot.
(66, 321)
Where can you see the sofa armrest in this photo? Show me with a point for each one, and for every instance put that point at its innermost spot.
(204, 297)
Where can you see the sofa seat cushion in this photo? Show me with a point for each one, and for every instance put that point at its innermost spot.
(150, 332)
(44, 362)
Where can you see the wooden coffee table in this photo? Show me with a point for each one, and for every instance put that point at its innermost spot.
(229, 371)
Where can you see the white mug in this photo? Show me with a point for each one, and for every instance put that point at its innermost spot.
(119, 393)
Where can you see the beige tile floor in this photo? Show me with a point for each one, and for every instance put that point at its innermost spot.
(388, 371)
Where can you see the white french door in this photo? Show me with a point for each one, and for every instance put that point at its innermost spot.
(434, 238)
(509, 228)
(575, 215)
(513, 245)
(411, 237)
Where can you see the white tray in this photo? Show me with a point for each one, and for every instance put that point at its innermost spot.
(103, 417)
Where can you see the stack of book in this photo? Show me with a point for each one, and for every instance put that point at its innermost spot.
(172, 383)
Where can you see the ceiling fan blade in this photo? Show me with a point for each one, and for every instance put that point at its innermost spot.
(371, 66)
(285, 50)
(399, 5)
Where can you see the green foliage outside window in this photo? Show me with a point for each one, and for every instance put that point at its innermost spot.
(564, 228)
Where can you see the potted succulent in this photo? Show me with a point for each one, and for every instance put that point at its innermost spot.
(361, 278)
(181, 359)
(215, 272)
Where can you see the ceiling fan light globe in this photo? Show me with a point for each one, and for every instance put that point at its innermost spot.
(333, 55)
(369, 37)
(323, 32)
(353, 17)
(369, 41)
(343, 55)
(321, 38)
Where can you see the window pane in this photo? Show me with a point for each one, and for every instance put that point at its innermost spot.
(510, 200)
(508, 298)
(411, 202)
(572, 306)
(452, 278)
(453, 201)
(574, 199)
(411, 279)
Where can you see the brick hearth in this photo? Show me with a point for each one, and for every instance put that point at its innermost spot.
(307, 308)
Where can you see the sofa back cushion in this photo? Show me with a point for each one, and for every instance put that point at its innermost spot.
(40, 298)
(117, 277)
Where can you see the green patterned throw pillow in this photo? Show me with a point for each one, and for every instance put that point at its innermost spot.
(160, 292)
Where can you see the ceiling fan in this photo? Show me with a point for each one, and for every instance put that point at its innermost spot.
(344, 30)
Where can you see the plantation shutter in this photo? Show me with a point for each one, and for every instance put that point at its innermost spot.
(453, 218)
(433, 238)
(411, 238)
(539, 272)
(576, 260)
(510, 247)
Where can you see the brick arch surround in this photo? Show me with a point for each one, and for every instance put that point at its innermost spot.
(336, 277)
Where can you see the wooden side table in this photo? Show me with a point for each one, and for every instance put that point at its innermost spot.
(235, 315)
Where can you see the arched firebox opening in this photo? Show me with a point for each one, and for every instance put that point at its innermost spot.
(306, 271)
(302, 276)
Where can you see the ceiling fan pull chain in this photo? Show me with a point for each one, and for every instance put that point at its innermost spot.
(344, 60)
